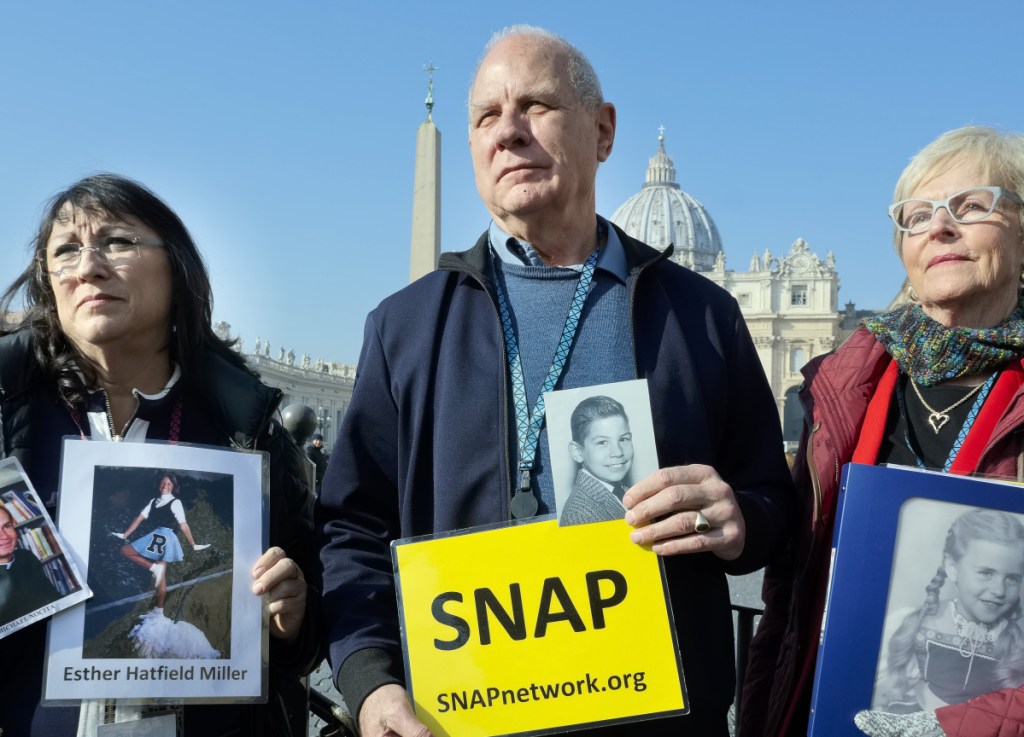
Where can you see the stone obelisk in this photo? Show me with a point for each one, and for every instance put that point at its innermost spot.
(426, 196)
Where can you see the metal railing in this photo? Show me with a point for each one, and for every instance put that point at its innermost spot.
(336, 718)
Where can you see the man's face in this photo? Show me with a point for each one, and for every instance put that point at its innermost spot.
(607, 451)
(318, 443)
(535, 148)
(8, 538)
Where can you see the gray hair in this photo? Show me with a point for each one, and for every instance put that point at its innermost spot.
(999, 156)
(582, 76)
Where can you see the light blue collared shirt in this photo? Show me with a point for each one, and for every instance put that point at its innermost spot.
(514, 251)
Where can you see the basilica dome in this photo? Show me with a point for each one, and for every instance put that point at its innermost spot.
(661, 214)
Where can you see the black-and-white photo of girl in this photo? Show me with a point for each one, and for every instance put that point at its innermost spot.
(965, 637)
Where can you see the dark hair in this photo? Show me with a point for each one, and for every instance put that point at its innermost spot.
(3, 508)
(191, 332)
(170, 477)
(593, 408)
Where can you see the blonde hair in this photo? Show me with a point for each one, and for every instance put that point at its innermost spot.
(999, 157)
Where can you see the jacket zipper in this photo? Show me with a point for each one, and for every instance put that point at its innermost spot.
(634, 278)
(812, 469)
(117, 438)
(504, 410)
(479, 278)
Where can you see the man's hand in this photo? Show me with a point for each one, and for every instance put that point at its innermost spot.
(386, 713)
(281, 579)
(664, 506)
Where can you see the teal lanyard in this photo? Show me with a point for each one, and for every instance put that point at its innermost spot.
(528, 424)
(966, 428)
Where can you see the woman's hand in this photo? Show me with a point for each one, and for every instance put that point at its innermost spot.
(281, 579)
(664, 508)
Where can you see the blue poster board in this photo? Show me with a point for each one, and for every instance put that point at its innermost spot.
(889, 552)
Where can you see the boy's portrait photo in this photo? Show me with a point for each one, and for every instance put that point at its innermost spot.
(601, 442)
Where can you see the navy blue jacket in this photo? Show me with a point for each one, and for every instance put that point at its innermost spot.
(424, 448)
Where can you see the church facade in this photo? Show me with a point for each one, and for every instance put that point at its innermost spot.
(790, 300)
(324, 386)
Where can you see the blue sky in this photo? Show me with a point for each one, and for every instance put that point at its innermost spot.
(284, 133)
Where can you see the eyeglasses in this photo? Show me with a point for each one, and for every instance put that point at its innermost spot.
(968, 206)
(116, 250)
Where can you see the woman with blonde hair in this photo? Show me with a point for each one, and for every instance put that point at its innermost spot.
(937, 383)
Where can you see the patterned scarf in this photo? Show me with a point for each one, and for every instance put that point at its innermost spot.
(931, 353)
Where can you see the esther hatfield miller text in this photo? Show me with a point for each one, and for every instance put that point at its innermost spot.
(156, 673)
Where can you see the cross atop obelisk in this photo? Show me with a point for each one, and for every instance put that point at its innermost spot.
(430, 69)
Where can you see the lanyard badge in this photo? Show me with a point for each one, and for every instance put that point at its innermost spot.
(528, 424)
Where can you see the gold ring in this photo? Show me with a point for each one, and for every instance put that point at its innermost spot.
(702, 525)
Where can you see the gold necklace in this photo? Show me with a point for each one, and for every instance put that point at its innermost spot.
(938, 418)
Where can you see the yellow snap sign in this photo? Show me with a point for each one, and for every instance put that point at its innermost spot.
(535, 627)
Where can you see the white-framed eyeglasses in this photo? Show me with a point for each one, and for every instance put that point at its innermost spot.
(969, 206)
(115, 250)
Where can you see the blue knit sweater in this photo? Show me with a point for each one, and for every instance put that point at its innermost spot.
(539, 299)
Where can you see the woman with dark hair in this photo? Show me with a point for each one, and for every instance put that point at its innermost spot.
(116, 343)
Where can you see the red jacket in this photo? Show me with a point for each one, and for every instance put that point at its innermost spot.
(835, 394)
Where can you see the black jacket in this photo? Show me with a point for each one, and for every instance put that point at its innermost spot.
(24, 587)
(241, 410)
